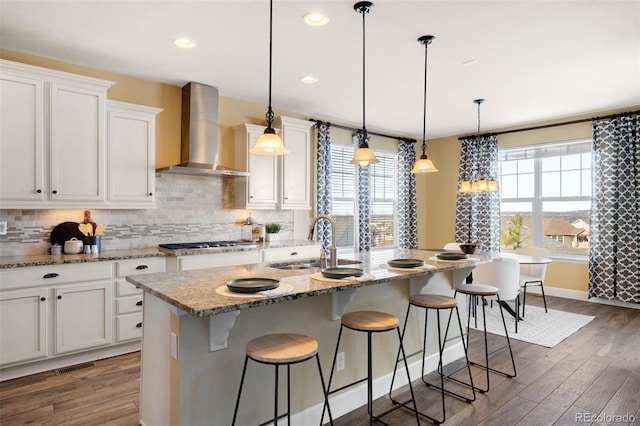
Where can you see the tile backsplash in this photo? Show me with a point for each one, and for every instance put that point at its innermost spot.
(189, 208)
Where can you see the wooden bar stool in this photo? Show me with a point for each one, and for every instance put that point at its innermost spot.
(282, 349)
(483, 291)
(370, 322)
(437, 303)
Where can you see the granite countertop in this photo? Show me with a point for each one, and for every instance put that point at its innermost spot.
(202, 292)
(20, 261)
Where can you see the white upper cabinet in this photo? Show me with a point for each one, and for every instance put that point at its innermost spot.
(296, 166)
(260, 189)
(77, 143)
(131, 153)
(53, 138)
(274, 181)
(21, 137)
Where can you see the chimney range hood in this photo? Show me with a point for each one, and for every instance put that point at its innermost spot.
(200, 139)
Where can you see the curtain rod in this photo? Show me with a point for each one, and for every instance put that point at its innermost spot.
(371, 133)
(546, 126)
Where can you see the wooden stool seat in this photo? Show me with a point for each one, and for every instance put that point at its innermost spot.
(279, 350)
(282, 348)
(433, 301)
(477, 289)
(370, 321)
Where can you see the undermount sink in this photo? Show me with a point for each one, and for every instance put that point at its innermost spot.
(308, 264)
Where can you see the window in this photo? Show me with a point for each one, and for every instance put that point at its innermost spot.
(546, 197)
(382, 195)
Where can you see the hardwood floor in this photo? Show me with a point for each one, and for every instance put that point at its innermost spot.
(594, 372)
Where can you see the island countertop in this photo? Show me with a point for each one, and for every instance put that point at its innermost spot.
(197, 292)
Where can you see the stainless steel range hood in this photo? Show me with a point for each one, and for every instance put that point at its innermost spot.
(200, 141)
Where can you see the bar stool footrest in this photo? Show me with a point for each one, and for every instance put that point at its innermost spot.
(510, 376)
(404, 405)
(448, 392)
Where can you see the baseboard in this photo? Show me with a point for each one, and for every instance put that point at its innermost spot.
(580, 295)
(356, 396)
(53, 363)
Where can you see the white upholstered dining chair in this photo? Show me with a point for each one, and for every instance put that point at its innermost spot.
(452, 247)
(505, 275)
(532, 275)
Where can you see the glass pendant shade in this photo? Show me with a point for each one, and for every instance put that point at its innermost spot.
(424, 165)
(492, 186)
(482, 185)
(269, 144)
(364, 156)
(465, 187)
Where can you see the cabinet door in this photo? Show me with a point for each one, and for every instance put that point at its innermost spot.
(131, 140)
(77, 143)
(21, 138)
(263, 177)
(296, 166)
(23, 325)
(83, 316)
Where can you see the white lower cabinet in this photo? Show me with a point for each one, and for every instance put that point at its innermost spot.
(279, 254)
(23, 325)
(50, 311)
(83, 316)
(128, 298)
(190, 263)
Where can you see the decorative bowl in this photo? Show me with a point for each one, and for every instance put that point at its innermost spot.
(468, 248)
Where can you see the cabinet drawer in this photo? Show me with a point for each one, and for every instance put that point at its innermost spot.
(124, 288)
(189, 263)
(147, 265)
(290, 253)
(126, 305)
(129, 327)
(54, 275)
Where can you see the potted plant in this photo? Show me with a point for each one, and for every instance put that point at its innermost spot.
(272, 231)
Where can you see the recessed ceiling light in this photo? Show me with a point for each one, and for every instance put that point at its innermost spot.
(309, 79)
(470, 62)
(184, 42)
(315, 18)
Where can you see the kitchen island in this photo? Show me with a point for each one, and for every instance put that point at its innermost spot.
(194, 334)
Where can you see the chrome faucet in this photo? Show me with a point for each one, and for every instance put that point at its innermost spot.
(333, 256)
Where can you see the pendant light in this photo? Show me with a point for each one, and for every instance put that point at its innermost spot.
(364, 155)
(478, 181)
(269, 143)
(424, 165)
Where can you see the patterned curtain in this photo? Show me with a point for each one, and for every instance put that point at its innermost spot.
(407, 208)
(478, 214)
(323, 181)
(614, 259)
(363, 202)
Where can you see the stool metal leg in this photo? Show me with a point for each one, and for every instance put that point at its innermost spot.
(324, 392)
(235, 412)
(486, 349)
(275, 403)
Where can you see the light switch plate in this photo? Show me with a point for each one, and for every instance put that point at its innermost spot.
(3, 228)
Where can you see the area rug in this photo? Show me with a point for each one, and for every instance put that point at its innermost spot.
(538, 327)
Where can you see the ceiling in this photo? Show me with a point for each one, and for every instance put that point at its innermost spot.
(531, 60)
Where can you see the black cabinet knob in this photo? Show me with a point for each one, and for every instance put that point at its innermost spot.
(59, 296)
(139, 325)
(54, 191)
(150, 194)
(139, 303)
(42, 299)
(39, 191)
